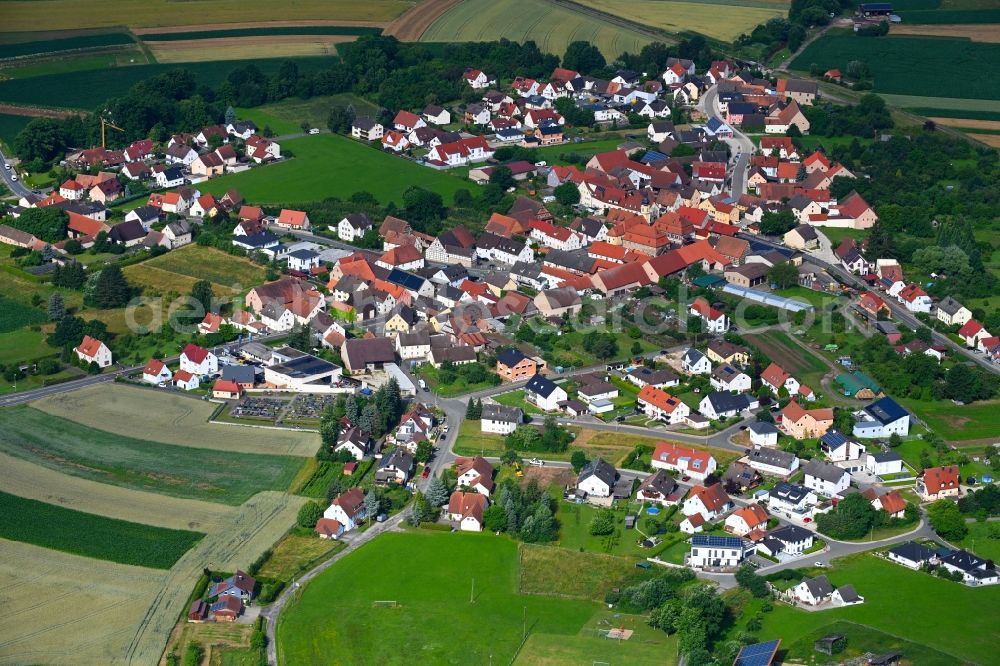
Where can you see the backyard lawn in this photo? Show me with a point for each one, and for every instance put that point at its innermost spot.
(981, 542)
(433, 589)
(331, 165)
(956, 422)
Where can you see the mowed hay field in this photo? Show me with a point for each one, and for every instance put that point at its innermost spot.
(989, 32)
(549, 25)
(961, 68)
(330, 165)
(719, 19)
(67, 609)
(28, 15)
(178, 270)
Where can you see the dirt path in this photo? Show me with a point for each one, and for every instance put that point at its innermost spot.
(37, 112)
(413, 24)
(254, 24)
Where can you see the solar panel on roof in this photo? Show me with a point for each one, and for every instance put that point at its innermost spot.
(758, 654)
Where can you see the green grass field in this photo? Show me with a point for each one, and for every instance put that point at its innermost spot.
(980, 542)
(956, 422)
(286, 116)
(89, 89)
(194, 263)
(335, 166)
(179, 471)
(950, 629)
(963, 69)
(334, 614)
(721, 19)
(119, 57)
(10, 126)
(91, 535)
(22, 49)
(14, 315)
(551, 26)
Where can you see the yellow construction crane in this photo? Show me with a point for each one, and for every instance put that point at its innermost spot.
(107, 123)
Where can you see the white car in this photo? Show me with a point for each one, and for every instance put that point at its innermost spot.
(13, 177)
(6, 166)
(314, 130)
(536, 462)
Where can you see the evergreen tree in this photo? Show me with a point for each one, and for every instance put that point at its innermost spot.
(309, 515)
(329, 427)
(230, 115)
(373, 504)
(437, 491)
(111, 289)
(300, 338)
(369, 420)
(470, 411)
(202, 293)
(351, 409)
(57, 308)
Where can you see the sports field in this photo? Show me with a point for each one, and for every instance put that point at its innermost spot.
(172, 419)
(950, 634)
(27, 15)
(334, 166)
(92, 535)
(963, 69)
(720, 19)
(549, 25)
(168, 469)
(181, 268)
(432, 586)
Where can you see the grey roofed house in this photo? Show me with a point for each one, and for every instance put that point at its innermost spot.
(462, 354)
(655, 377)
(502, 413)
(692, 356)
(848, 594)
(588, 226)
(179, 227)
(510, 357)
(364, 123)
(913, 551)
(772, 457)
(599, 468)
(303, 255)
(792, 493)
(886, 456)
(241, 374)
(824, 470)
(576, 260)
(806, 232)
(742, 475)
(724, 401)
(541, 385)
(125, 232)
(763, 428)
(148, 214)
(790, 534)
(949, 305)
(597, 388)
(358, 221)
(359, 353)
(964, 560)
(819, 587)
(420, 338)
(256, 350)
(660, 482)
(663, 127)
(562, 297)
(886, 328)
(801, 86)
(399, 458)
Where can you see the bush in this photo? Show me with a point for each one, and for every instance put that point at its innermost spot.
(603, 522)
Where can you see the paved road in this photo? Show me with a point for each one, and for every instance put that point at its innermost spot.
(741, 145)
(18, 188)
(899, 313)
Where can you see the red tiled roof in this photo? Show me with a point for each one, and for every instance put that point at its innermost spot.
(194, 353)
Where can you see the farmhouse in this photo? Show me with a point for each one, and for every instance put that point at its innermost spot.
(92, 350)
(474, 473)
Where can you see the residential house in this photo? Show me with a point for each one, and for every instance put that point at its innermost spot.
(915, 299)
(717, 552)
(353, 227)
(723, 404)
(952, 313)
(840, 448)
(911, 554)
(825, 479)
(791, 498)
(185, 380)
(499, 419)
(789, 539)
(366, 129)
(597, 478)
(156, 372)
(938, 483)
(293, 219)
(348, 509)
(514, 366)
(715, 321)
(707, 503)
(395, 466)
(763, 433)
(891, 502)
(776, 378)
(198, 360)
(659, 487)
(466, 509)
(881, 419)
(659, 404)
(883, 463)
(474, 473)
(813, 591)
(328, 528)
(728, 378)
(772, 462)
(695, 363)
(225, 389)
(92, 350)
(803, 423)
(544, 393)
(693, 463)
(975, 570)
(559, 301)
(367, 354)
(747, 519)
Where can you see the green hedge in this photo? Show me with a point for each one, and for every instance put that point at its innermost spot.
(91, 535)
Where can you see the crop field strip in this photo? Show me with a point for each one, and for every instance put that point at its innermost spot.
(170, 419)
(14, 315)
(206, 263)
(26, 15)
(347, 30)
(32, 481)
(248, 48)
(177, 471)
(977, 33)
(964, 69)
(720, 19)
(59, 528)
(67, 609)
(22, 49)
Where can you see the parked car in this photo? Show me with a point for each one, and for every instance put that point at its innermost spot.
(426, 472)
(536, 462)
(381, 517)
(314, 130)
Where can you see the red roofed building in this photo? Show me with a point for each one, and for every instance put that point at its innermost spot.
(743, 521)
(72, 190)
(156, 372)
(467, 510)
(871, 304)
(80, 226)
(198, 360)
(710, 503)
(293, 219)
(328, 528)
(857, 211)
(558, 238)
(92, 350)
(715, 321)
(972, 332)
(461, 152)
(407, 122)
(690, 462)
(938, 483)
(658, 404)
(713, 172)
(405, 257)
(620, 279)
(226, 389)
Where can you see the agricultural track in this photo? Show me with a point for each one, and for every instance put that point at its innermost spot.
(411, 26)
(37, 111)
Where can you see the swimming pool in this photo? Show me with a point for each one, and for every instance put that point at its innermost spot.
(653, 510)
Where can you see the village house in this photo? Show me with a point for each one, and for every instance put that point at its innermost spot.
(187, 381)
(694, 362)
(772, 462)
(348, 509)
(500, 420)
(881, 419)
(467, 509)
(544, 393)
(728, 378)
(225, 389)
(825, 479)
(715, 321)
(704, 505)
(789, 539)
(747, 519)
(883, 463)
(658, 404)
(791, 498)
(353, 227)
(156, 372)
(938, 483)
(840, 448)
(597, 478)
(396, 466)
(698, 465)
(723, 404)
(952, 313)
(474, 473)
(198, 360)
(763, 433)
(92, 350)
(715, 552)
(659, 487)
(514, 366)
(911, 554)
(801, 423)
